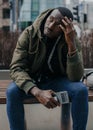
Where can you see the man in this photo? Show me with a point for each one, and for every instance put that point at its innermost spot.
(47, 59)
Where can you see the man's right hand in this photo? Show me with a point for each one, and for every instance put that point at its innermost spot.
(45, 97)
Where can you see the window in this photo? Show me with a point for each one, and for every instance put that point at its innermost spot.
(5, 28)
(34, 9)
(23, 25)
(5, 1)
(6, 13)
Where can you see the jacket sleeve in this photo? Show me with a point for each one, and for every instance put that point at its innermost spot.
(75, 68)
(19, 65)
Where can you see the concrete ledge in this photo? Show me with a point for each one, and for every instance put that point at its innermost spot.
(4, 75)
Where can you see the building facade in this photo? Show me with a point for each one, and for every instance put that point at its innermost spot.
(15, 15)
(85, 10)
(4, 15)
(30, 9)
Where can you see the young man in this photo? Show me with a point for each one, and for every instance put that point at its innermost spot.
(48, 59)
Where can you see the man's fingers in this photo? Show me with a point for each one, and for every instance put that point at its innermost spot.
(54, 101)
(62, 28)
(51, 105)
(51, 91)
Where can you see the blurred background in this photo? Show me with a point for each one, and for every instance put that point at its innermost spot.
(16, 15)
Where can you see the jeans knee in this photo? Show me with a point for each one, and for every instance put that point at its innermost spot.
(10, 92)
(82, 91)
(13, 92)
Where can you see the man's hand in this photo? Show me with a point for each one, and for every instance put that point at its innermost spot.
(69, 32)
(45, 97)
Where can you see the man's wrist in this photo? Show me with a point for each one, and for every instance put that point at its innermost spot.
(72, 52)
(34, 90)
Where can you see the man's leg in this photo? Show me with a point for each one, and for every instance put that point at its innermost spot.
(15, 109)
(78, 94)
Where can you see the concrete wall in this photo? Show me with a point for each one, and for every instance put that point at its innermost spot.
(40, 118)
(37, 118)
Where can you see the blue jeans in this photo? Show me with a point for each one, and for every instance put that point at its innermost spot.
(77, 91)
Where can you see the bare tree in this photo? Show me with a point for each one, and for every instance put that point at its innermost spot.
(87, 48)
(7, 45)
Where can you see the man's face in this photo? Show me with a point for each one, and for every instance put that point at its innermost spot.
(51, 27)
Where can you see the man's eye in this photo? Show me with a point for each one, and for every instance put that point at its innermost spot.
(51, 19)
(58, 23)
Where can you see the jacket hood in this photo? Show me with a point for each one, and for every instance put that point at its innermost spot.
(37, 23)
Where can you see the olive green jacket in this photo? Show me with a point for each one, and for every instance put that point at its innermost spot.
(29, 56)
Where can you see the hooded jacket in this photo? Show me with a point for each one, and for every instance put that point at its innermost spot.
(29, 56)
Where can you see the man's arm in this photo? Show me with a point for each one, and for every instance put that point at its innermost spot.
(75, 68)
(19, 65)
(74, 59)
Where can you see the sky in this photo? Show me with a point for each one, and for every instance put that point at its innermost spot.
(85, 0)
(80, 0)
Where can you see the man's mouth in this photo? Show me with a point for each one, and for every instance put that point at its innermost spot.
(48, 30)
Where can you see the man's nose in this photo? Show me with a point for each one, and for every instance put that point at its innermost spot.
(52, 25)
